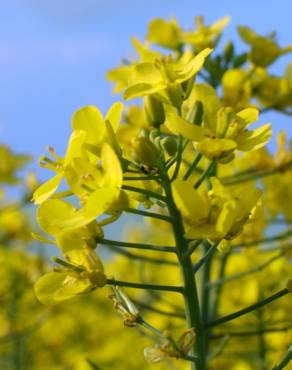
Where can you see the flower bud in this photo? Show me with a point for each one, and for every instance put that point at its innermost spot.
(196, 113)
(154, 111)
(145, 152)
(97, 278)
(169, 145)
(228, 51)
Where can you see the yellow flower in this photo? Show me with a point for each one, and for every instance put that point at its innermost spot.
(264, 50)
(165, 34)
(205, 36)
(163, 77)
(81, 274)
(90, 132)
(223, 131)
(217, 214)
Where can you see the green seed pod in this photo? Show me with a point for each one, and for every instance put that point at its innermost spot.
(145, 152)
(169, 145)
(196, 113)
(154, 111)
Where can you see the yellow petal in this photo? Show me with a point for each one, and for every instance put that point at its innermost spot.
(51, 213)
(189, 201)
(180, 126)
(48, 188)
(55, 287)
(97, 203)
(90, 120)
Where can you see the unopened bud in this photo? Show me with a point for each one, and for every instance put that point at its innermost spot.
(169, 145)
(97, 278)
(145, 152)
(228, 51)
(196, 113)
(154, 111)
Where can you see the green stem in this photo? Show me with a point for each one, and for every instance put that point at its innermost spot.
(150, 247)
(247, 333)
(142, 178)
(138, 257)
(205, 290)
(206, 174)
(248, 309)
(148, 193)
(205, 258)
(148, 214)
(179, 158)
(218, 290)
(192, 166)
(195, 244)
(253, 175)
(271, 239)
(261, 339)
(191, 299)
(285, 361)
(128, 284)
(253, 270)
(147, 307)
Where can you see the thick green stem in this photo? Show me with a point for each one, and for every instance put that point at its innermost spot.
(191, 299)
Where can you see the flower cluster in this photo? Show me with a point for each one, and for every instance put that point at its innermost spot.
(187, 157)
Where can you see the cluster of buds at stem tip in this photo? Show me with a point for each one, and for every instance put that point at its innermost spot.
(149, 149)
(125, 307)
(171, 348)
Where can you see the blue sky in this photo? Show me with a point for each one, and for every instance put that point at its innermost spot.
(54, 55)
